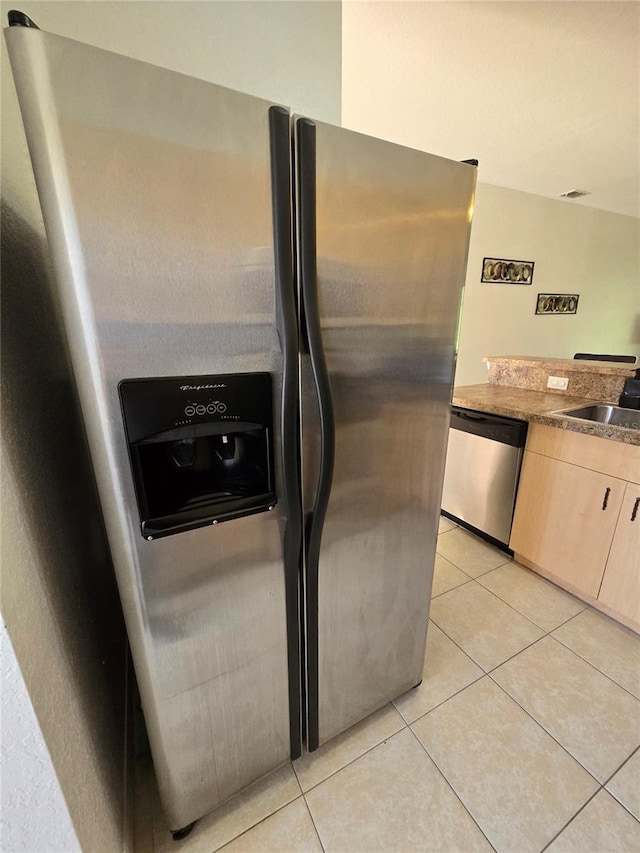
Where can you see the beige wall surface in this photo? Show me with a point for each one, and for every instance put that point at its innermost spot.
(545, 96)
(289, 52)
(58, 594)
(580, 250)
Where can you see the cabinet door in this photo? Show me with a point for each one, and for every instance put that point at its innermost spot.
(564, 520)
(621, 582)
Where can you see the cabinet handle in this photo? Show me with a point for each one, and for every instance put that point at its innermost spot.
(634, 512)
(606, 497)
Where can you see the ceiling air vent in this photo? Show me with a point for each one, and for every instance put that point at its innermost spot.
(574, 194)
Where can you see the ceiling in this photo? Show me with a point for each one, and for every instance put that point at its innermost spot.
(546, 95)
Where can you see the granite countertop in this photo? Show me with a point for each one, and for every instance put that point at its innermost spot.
(616, 368)
(536, 407)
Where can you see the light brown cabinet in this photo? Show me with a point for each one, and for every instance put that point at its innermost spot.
(565, 518)
(577, 518)
(620, 588)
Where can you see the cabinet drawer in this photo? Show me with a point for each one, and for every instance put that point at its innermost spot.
(590, 451)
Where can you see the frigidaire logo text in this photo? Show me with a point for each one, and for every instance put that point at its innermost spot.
(201, 387)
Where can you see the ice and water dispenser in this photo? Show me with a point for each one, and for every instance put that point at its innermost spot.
(201, 449)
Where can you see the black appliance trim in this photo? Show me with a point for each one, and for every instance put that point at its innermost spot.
(155, 528)
(475, 530)
(287, 327)
(494, 427)
(197, 430)
(19, 19)
(306, 175)
(592, 356)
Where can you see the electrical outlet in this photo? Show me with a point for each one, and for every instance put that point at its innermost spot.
(559, 382)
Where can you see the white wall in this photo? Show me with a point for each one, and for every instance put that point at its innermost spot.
(576, 250)
(30, 787)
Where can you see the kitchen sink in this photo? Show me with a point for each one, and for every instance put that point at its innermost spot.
(604, 413)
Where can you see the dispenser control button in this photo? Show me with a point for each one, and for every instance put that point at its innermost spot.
(201, 410)
(222, 407)
(189, 411)
(212, 408)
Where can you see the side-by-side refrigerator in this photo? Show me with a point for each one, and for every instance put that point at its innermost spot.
(261, 314)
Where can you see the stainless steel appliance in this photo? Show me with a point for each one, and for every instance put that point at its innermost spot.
(263, 358)
(484, 456)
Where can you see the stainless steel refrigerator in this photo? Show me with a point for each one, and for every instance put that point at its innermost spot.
(261, 315)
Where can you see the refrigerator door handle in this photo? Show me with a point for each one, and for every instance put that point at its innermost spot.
(287, 328)
(312, 335)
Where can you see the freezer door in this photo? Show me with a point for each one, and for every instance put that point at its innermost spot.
(156, 192)
(382, 264)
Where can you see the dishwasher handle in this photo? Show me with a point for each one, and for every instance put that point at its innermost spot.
(472, 416)
(492, 427)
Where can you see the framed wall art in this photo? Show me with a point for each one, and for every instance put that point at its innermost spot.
(557, 303)
(501, 271)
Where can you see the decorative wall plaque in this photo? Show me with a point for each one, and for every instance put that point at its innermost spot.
(557, 303)
(500, 271)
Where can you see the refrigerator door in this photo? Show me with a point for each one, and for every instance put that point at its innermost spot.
(382, 257)
(156, 192)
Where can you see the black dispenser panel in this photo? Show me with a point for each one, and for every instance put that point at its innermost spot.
(201, 449)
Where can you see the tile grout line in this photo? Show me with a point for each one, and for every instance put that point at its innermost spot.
(375, 745)
(627, 759)
(611, 793)
(571, 819)
(457, 796)
(465, 571)
(510, 606)
(220, 849)
(570, 619)
(621, 804)
(451, 588)
(539, 724)
(541, 627)
(478, 538)
(506, 603)
(508, 695)
(524, 568)
(295, 773)
(457, 645)
(509, 659)
(586, 660)
(314, 823)
(546, 632)
(440, 704)
(266, 817)
(473, 660)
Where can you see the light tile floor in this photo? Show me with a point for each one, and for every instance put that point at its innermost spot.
(523, 736)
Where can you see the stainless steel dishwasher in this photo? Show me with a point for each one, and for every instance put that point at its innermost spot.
(484, 456)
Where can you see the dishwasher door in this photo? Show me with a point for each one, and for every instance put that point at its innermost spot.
(482, 470)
